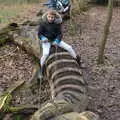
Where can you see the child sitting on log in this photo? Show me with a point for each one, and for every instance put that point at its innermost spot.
(50, 33)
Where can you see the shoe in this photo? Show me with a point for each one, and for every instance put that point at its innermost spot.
(39, 74)
(40, 77)
(79, 61)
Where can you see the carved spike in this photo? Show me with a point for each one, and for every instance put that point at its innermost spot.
(55, 63)
(56, 55)
(66, 69)
(70, 87)
(70, 77)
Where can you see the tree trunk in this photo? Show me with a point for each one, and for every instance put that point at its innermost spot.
(4, 32)
(11, 34)
(105, 33)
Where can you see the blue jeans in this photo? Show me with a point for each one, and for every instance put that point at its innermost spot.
(52, 4)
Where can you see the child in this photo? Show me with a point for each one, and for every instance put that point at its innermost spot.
(50, 33)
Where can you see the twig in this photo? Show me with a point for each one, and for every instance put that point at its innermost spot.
(10, 53)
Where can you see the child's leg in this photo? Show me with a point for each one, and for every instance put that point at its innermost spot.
(46, 50)
(68, 48)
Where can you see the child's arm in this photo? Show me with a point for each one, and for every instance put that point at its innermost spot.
(59, 35)
(40, 33)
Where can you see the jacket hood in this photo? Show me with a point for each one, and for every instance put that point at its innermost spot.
(58, 18)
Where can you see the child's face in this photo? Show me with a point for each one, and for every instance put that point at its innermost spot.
(50, 18)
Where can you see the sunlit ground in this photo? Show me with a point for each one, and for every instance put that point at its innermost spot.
(16, 12)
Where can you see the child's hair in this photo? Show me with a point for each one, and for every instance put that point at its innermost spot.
(52, 12)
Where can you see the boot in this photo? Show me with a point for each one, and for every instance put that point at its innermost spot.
(40, 74)
(79, 61)
(40, 77)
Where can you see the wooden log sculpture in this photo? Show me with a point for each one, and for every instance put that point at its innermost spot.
(66, 79)
(68, 92)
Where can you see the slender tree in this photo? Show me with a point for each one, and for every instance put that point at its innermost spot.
(105, 33)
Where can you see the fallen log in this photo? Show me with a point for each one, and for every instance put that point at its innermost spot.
(6, 98)
(11, 33)
(5, 35)
(68, 91)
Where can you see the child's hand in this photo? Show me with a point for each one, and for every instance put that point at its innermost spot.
(56, 41)
(43, 39)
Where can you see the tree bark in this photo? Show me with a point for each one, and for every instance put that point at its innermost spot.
(4, 32)
(11, 34)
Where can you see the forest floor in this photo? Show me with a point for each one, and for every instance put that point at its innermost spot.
(84, 35)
